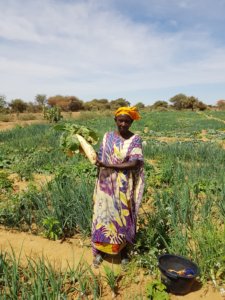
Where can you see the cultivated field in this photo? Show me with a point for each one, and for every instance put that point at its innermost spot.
(46, 209)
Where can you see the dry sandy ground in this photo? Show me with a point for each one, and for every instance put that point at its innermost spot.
(14, 121)
(10, 125)
(74, 250)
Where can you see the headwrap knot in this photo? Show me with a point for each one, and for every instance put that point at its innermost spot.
(132, 112)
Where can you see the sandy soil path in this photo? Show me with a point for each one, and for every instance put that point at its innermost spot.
(61, 254)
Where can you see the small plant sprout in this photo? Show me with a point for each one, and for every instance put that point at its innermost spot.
(111, 279)
(52, 227)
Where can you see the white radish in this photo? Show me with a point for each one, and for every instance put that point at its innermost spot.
(88, 149)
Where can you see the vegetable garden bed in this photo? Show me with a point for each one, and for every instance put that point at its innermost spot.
(186, 185)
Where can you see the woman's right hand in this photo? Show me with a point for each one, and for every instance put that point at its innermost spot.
(100, 164)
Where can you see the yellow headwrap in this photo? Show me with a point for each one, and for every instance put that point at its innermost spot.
(132, 112)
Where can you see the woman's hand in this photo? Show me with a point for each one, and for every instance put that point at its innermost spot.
(123, 166)
(100, 164)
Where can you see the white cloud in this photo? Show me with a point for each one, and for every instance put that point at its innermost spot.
(19, 68)
(88, 49)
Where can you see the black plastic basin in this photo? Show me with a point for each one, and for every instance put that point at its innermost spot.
(172, 267)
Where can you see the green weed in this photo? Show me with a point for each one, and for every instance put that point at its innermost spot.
(52, 229)
(157, 291)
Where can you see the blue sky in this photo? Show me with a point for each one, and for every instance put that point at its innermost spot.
(141, 50)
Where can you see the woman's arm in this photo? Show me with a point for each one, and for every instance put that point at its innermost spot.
(123, 166)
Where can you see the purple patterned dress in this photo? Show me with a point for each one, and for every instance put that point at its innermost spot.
(117, 194)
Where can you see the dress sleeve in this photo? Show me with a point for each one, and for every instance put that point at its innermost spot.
(100, 152)
(135, 151)
(102, 147)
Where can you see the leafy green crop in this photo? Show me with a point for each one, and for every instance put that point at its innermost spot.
(5, 182)
(68, 140)
(52, 227)
(53, 114)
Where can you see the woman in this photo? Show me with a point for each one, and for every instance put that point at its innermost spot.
(118, 189)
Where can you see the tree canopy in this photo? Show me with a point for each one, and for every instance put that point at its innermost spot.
(73, 103)
(114, 104)
(18, 105)
(66, 103)
(221, 104)
(160, 103)
(97, 104)
(41, 99)
(181, 101)
(140, 105)
(3, 102)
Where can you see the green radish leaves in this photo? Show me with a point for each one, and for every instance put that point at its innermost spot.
(68, 140)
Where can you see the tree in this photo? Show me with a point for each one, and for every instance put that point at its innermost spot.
(140, 105)
(114, 104)
(191, 102)
(97, 104)
(41, 99)
(2, 103)
(57, 100)
(18, 105)
(103, 104)
(66, 103)
(33, 108)
(179, 101)
(201, 106)
(75, 104)
(221, 104)
(160, 103)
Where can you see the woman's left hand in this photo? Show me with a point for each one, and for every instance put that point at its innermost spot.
(123, 166)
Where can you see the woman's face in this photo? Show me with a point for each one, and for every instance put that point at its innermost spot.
(123, 123)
